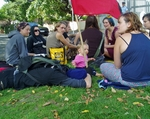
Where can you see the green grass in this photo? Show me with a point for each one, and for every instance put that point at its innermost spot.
(59, 102)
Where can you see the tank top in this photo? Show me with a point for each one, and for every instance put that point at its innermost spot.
(136, 59)
(113, 38)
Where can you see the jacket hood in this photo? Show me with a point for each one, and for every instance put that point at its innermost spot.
(12, 33)
(32, 30)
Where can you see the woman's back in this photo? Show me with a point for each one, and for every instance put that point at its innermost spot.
(93, 37)
(135, 59)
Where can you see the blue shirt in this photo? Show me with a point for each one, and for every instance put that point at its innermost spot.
(124, 9)
(136, 59)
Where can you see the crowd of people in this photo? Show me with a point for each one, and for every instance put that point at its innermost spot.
(127, 44)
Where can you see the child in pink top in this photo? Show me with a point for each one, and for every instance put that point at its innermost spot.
(80, 60)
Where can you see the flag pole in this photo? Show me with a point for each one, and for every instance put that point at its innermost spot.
(85, 57)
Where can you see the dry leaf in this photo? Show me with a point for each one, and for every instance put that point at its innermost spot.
(120, 99)
(130, 91)
(1, 94)
(66, 99)
(46, 104)
(55, 114)
(85, 111)
(139, 117)
(138, 104)
(33, 91)
(56, 91)
(106, 106)
(113, 90)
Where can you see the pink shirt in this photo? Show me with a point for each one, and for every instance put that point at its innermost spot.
(80, 61)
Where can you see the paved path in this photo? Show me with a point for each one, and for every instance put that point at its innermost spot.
(3, 41)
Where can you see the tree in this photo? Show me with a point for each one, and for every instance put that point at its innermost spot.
(49, 10)
(41, 10)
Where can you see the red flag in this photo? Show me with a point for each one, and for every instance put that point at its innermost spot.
(96, 7)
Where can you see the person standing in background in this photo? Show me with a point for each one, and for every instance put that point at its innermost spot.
(146, 21)
(124, 8)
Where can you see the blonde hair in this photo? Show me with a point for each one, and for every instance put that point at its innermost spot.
(58, 25)
(79, 45)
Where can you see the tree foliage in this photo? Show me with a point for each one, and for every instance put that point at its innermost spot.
(36, 10)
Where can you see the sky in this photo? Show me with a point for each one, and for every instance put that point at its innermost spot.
(2, 3)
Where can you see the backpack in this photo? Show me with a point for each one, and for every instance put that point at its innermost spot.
(30, 62)
(4, 66)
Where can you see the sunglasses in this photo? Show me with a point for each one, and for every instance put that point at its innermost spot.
(36, 30)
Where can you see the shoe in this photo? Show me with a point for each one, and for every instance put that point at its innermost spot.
(1, 85)
(100, 83)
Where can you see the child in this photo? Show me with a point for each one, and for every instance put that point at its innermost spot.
(80, 61)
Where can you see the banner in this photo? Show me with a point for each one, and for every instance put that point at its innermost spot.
(96, 7)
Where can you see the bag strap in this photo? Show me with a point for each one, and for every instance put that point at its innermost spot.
(34, 79)
(100, 46)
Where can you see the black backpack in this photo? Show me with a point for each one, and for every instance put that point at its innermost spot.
(30, 62)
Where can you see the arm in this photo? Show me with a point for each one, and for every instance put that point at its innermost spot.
(30, 45)
(64, 41)
(117, 53)
(76, 38)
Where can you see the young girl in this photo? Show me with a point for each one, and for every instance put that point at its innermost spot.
(80, 60)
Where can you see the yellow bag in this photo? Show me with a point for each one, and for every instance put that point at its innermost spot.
(58, 54)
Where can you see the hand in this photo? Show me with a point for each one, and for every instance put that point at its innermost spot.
(73, 63)
(90, 59)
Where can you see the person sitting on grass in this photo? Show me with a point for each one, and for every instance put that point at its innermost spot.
(131, 54)
(80, 61)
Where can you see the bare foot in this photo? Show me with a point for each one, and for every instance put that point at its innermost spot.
(99, 74)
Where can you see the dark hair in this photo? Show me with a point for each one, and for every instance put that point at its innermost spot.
(147, 16)
(91, 21)
(123, 3)
(110, 20)
(22, 25)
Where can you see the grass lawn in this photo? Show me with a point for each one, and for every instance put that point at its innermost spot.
(59, 102)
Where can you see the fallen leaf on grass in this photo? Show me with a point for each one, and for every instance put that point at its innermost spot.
(85, 111)
(56, 116)
(60, 95)
(113, 90)
(106, 106)
(139, 117)
(66, 99)
(56, 91)
(120, 99)
(1, 94)
(130, 91)
(33, 91)
(138, 104)
(46, 104)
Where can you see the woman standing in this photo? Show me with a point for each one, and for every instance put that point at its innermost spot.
(35, 42)
(131, 54)
(110, 36)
